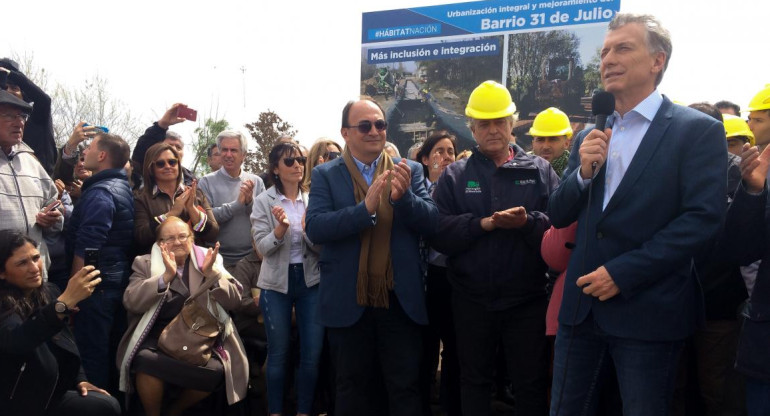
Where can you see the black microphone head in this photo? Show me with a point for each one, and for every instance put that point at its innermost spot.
(603, 102)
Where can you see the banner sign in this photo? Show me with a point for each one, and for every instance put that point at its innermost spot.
(421, 64)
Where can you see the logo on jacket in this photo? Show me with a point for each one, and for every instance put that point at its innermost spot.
(473, 187)
(525, 182)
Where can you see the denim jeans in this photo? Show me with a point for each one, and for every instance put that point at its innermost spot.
(276, 309)
(98, 327)
(645, 370)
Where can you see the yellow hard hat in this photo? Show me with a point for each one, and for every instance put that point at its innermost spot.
(490, 100)
(551, 122)
(736, 126)
(761, 101)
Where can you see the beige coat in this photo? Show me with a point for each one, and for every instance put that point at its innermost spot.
(143, 300)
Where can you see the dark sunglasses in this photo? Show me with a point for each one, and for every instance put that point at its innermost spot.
(365, 126)
(333, 155)
(160, 164)
(289, 161)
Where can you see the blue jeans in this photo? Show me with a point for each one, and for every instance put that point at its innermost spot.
(757, 397)
(276, 309)
(645, 370)
(98, 327)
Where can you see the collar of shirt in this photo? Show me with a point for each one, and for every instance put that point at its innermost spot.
(647, 108)
(179, 189)
(282, 197)
(367, 171)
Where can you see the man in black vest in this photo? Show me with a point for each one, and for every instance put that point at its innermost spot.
(103, 220)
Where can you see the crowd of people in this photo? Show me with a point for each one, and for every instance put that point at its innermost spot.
(611, 271)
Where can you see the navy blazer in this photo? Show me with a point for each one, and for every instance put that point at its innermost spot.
(668, 206)
(334, 220)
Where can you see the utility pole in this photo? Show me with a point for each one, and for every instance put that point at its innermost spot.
(243, 79)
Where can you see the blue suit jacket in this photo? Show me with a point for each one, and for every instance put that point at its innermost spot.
(669, 205)
(335, 220)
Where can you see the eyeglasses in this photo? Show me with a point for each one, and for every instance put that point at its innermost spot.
(289, 161)
(333, 155)
(11, 117)
(365, 126)
(160, 164)
(182, 238)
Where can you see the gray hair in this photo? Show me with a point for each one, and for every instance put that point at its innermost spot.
(412, 152)
(233, 134)
(471, 122)
(173, 135)
(658, 38)
(389, 145)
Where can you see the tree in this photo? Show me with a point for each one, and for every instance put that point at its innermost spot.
(93, 104)
(206, 136)
(530, 57)
(265, 131)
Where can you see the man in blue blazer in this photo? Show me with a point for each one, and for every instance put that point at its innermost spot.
(368, 211)
(648, 194)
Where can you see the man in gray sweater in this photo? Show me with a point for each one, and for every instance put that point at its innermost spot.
(231, 192)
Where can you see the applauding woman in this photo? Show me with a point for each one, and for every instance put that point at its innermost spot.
(40, 372)
(160, 284)
(289, 276)
(165, 195)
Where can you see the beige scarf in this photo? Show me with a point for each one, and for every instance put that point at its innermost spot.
(375, 271)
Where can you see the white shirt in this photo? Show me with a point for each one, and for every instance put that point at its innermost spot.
(627, 134)
(295, 210)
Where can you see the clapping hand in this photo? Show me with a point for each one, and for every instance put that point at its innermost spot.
(283, 221)
(209, 260)
(169, 260)
(192, 211)
(401, 180)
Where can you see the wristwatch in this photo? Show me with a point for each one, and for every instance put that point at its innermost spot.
(61, 307)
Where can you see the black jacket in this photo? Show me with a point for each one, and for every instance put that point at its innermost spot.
(38, 130)
(40, 360)
(501, 268)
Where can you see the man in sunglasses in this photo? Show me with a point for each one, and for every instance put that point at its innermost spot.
(368, 211)
(103, 219)
(491, 220)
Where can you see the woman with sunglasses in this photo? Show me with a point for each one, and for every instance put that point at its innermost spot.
(165, 195)
(322, 151)
(288, 278)
(41, 372)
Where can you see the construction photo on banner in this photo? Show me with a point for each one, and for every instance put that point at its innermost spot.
(421, 64)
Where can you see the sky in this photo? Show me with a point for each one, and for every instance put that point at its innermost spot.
(234, 59)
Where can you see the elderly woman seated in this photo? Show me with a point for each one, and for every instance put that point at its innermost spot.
(160, 284)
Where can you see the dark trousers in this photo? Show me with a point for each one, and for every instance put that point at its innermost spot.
(71, 403)
(645, 370)
(98, 327)
(440, 330)
(385, 345)
(521, 332)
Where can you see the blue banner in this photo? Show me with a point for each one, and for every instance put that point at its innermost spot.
(483, 17)
(442, 50)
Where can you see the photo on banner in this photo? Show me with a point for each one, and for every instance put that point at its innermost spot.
(421, 64)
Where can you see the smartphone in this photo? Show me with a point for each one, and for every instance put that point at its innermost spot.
(56, 204)
(102, 128)
(92, 257)
(187, 113)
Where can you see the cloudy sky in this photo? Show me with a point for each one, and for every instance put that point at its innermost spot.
(302, 59)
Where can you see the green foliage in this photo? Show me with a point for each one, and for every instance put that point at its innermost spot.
(266, 131)
(205, 136)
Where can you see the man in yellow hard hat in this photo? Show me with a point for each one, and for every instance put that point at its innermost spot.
(550, 133)
(491, 220)
(759, 117)
(738, 134)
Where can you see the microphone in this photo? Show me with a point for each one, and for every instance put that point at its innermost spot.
(602, 106)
